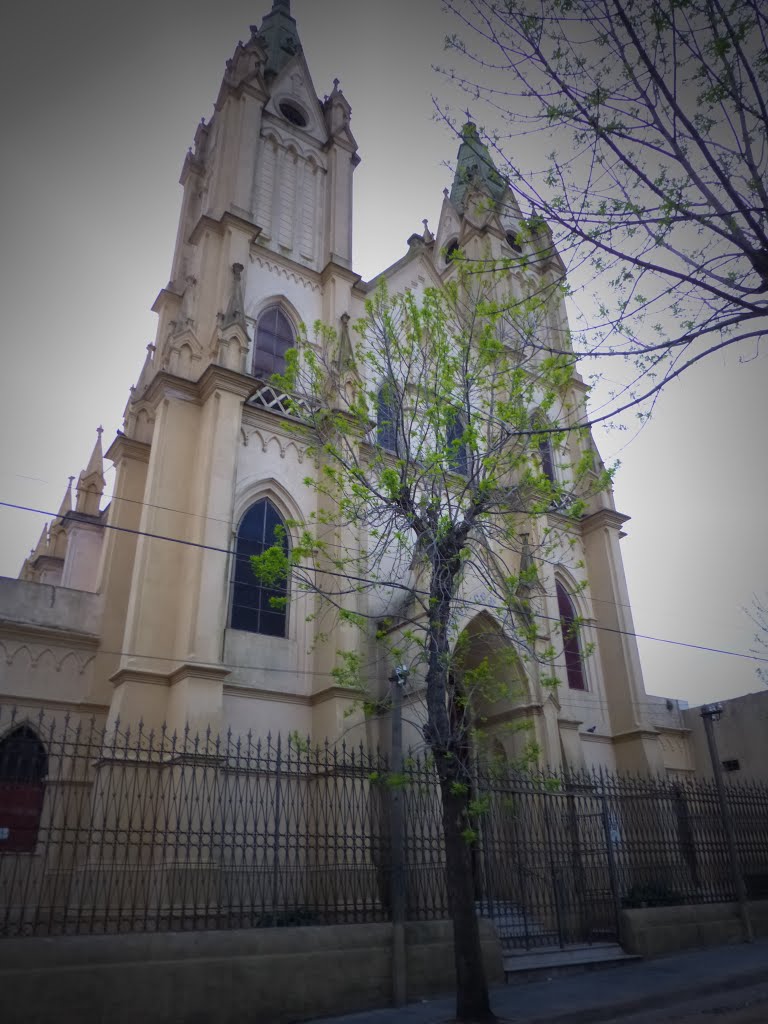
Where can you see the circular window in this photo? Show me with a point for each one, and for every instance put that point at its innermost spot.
(451, 249)
(513, 243)
(293, 114)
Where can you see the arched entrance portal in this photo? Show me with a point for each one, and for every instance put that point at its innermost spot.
(492, 685)
(23, 768)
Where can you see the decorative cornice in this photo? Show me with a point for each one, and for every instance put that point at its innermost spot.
(219, 378)
(678, 730)
(603, 517)
(334, 693)
(143, 676)
(168, 385)
(124, 447)
(75, 518)
(166, 295)
(334, 269)
(84, 706)
(277, 264)
(218, 226)
(149, 677)
(47, 561)
(636, 734)
(533, 709)
(596, 737)
(199, 670)
(22, 631)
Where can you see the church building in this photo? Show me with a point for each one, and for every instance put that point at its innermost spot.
(140, 605)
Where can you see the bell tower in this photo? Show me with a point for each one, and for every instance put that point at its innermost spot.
(265, 223)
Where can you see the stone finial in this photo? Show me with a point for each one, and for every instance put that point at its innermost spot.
(235, 313)
(345, 357)
(427, 236)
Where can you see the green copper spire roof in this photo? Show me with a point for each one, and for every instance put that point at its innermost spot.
(475, 166)
(279, 35)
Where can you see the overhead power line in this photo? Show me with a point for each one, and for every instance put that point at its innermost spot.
(395, 586)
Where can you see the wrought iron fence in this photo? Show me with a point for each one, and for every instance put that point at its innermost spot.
(110, 830)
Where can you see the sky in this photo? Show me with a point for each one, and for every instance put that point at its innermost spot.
(101, 103)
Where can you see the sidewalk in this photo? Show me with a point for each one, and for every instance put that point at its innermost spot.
(598, 995)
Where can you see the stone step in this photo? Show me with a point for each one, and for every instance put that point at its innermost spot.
(553, 959)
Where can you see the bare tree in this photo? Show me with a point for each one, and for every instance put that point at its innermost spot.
(652, 169)
(435, 494)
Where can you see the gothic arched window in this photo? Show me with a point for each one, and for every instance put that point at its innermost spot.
(458, 458)
(253, 607)
(386, 417)
(451, 250)
(574, 668)
(274, 336)
(23, 768)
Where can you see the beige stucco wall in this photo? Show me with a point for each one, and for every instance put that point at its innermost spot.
(275, 974)
(48, 641)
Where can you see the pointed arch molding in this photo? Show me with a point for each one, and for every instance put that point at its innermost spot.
(280, 271)
(579, 596)
(252, 491)
(487, 623)
(18, 652)
(263, 303)
(254, 437)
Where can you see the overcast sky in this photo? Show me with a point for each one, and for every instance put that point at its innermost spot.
(101, 103)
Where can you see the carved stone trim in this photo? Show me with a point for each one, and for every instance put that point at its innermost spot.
(289, 271)
(127, 448)
(604, 517)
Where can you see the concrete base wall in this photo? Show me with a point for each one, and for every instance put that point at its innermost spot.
(651, 931)
(273, 975)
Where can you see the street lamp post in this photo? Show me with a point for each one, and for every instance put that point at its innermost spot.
(398, 679)
(710, 714)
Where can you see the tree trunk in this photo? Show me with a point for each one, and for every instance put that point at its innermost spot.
(448, 744)
(472, 1004)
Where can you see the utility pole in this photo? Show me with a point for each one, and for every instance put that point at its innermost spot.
(397, 835)
(710, 714)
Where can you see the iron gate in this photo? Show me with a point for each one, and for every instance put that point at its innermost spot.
(546, 865)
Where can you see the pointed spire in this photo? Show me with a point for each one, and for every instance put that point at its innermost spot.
(474, 166)
(146, 372)
(91, 483)
(96, 461)
(235, 313)
(66, 501)
(279, 36)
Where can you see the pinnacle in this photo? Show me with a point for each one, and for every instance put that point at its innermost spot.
(96, 461)
(66, 501)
